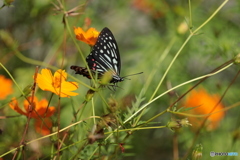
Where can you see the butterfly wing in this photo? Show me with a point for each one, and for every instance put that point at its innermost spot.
(105, 55)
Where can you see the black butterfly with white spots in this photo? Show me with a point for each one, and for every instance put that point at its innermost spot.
(103, 57)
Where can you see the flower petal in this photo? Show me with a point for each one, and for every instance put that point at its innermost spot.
(40, 109)
(68, 87)
(27, 103)
(43, 128)
(45, 80)
(6, 89)
(92, 33)
(14, 105)
(89, 37)
(80, 34)
(61, 74)
(44, 110)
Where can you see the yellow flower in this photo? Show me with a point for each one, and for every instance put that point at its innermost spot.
(89, 37)
(40, 108)
(6, 87)
(205, 104)
(56, 83)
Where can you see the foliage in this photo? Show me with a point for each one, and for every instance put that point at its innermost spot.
(180, 46)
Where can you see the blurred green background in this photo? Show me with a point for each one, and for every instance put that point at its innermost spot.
(143, 29)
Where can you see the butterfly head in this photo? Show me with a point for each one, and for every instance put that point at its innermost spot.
(110, 77)
(116, 79)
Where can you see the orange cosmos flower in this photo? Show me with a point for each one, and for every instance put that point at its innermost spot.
(56, 83)
(89, 37)
(205, 104)
(6, 87)
(40, 108)
(43, 128)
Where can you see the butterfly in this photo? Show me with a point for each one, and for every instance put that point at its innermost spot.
(103, 57)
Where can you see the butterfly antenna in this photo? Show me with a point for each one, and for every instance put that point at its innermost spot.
(132, 75)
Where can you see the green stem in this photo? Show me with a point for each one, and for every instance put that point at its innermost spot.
(93, 111)
(133, 129)
(159, 62)
(80, 51)
(151, 119)
(190, 81)
(49, 135)
(190, 14)
(211, 17)
(191, 34)
(170, 65)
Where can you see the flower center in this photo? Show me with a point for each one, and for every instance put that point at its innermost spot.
(56, 82)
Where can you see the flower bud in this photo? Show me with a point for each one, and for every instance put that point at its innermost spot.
(237, 59)
(197, 152)
(182, 28)
(27, 90)
(107, 121)
(89, 95)
(178, 123)
(7, 3)
(113, 105)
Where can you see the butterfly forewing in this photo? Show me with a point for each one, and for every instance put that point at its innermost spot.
(105, 55)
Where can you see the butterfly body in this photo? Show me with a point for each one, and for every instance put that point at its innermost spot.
(82, 71)
(104, 57)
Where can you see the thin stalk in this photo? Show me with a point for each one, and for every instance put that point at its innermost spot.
(49, 135)
(170, 65)
(190, 14)
(133, 129)
(211, 17)
(80, 51)
(187, 82)
(93, 111)
(189, 37)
